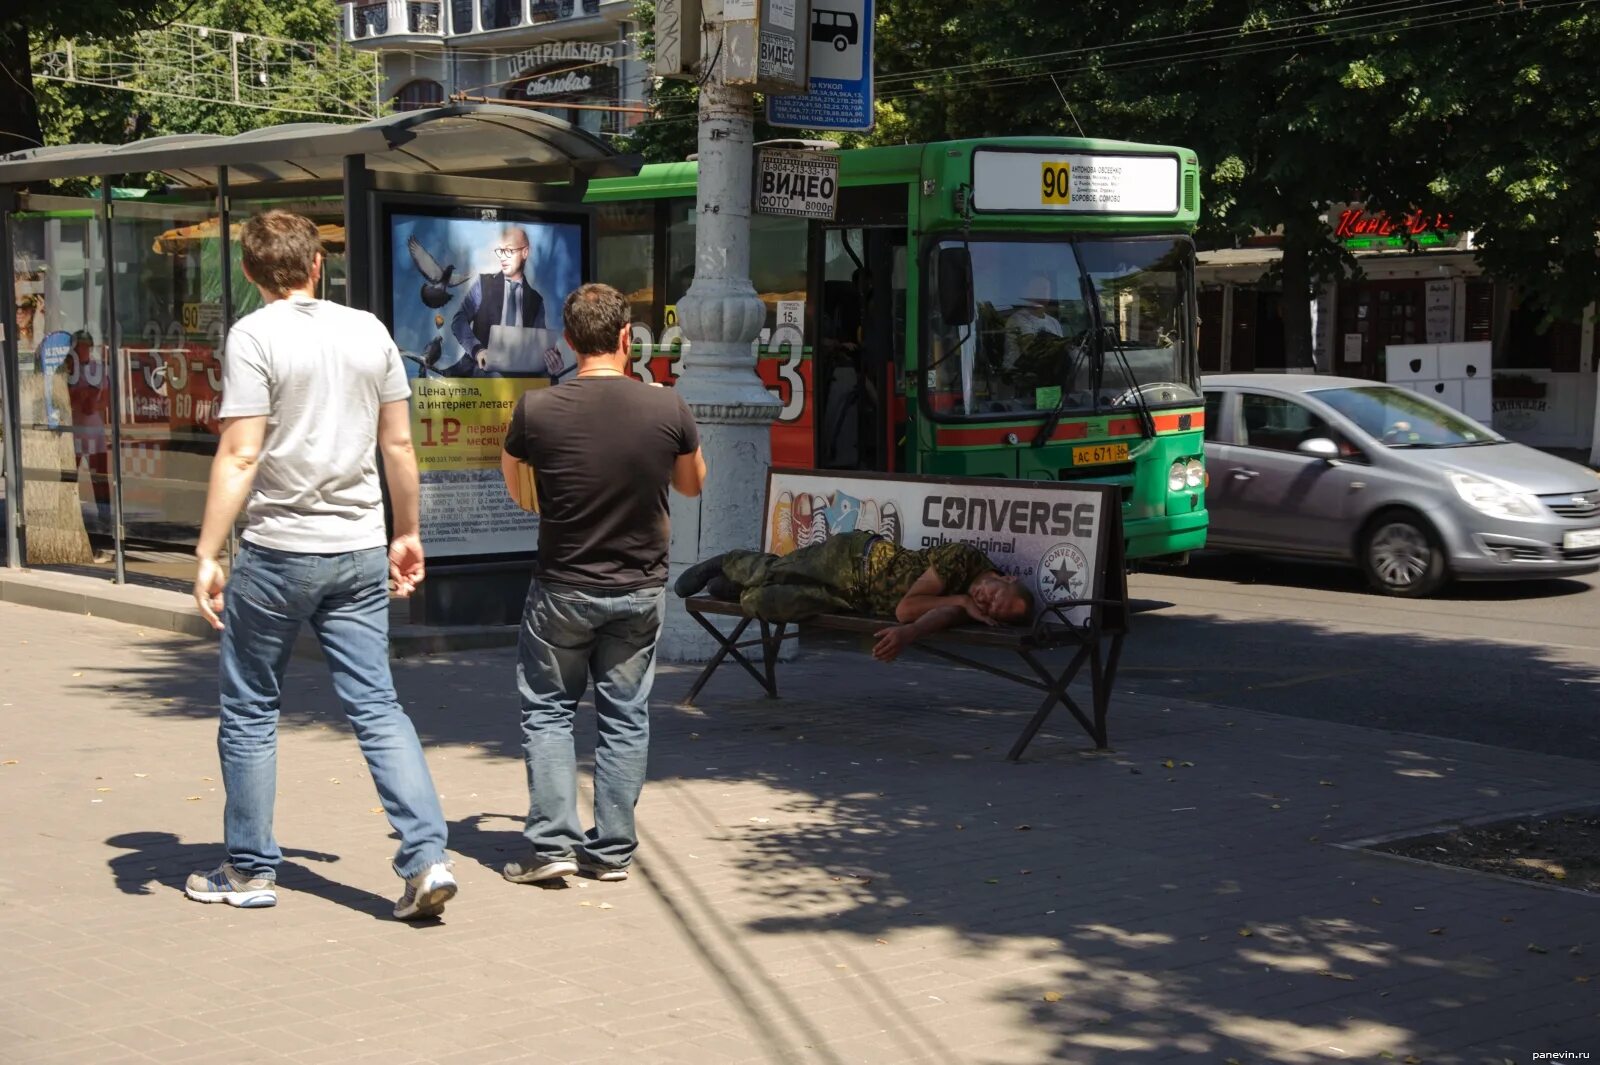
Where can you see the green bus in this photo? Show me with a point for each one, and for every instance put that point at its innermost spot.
(1007, 307)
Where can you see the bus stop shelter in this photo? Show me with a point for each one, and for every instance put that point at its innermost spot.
(123, 297)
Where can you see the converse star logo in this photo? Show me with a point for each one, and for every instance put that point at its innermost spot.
(1063, 574)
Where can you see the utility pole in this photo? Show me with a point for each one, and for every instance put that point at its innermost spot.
(732, 47)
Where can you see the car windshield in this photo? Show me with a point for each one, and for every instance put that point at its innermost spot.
(1030, 347)
(1404, 419)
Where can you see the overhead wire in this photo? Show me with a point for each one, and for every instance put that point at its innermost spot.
(1386, 9)
(1470, 11)
(1492, 9)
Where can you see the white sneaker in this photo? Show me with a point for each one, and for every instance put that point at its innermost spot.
(611, 874)
(426, 893)
(533, 871)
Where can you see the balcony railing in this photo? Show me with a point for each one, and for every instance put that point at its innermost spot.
(393, 18)
(368, 20)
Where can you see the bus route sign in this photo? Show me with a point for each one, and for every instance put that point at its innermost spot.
(797, 184)
(1075, 182)
(839, 93)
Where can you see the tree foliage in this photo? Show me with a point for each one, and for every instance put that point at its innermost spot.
(1520, 137)
(25, 23)
(1488, 111)
(79, 113)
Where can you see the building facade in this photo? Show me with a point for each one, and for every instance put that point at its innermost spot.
(1420, 284)
(575, 59)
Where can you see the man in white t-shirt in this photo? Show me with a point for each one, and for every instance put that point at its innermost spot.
(311, 390)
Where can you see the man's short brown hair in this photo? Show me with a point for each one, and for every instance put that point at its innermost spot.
(280, 250)
(593, 317)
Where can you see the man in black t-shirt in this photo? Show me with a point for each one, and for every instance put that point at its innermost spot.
(603, 449)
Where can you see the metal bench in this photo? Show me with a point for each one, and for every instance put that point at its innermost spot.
(1063, 538)
(1097, 643)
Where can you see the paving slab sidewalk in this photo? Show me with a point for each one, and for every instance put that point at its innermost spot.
(850, 874)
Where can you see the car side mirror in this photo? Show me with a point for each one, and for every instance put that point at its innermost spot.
(955, 286)
(1321, 447)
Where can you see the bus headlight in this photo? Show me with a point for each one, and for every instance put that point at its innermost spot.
(1185, 473)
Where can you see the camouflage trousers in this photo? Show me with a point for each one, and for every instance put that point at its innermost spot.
(821, 579)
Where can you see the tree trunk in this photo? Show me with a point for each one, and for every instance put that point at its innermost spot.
(1297, 341)
(19, 111)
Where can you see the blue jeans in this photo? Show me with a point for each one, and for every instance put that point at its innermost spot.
(569, 635)
(345, 597)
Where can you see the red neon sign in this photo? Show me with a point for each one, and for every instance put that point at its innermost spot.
(1356, 222)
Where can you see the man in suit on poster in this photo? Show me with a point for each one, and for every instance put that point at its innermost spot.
(507, 298)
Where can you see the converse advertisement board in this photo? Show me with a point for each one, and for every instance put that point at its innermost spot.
(1052, 537)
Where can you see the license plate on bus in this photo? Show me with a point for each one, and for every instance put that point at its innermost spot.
(1577, 541)
(1099, 454)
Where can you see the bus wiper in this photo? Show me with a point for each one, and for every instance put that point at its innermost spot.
(1073, 359)
(1147, 421)
(1089, 347)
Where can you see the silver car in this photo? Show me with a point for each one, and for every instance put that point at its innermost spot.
(1413, 492)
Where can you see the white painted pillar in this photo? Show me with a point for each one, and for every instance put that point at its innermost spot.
(721, 316)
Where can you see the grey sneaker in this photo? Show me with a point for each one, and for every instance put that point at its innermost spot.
(532, 870)
(596, 871)
(227, 884)
(426, 893)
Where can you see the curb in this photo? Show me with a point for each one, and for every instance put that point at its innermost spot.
(166, 610)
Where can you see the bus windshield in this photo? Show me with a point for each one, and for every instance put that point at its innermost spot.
(1031, 346)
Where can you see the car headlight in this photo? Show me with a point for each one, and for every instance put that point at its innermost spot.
(1194, 473)
(1494, 498)
(1175, 477)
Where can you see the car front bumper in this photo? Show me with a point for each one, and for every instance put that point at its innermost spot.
(1484, 548)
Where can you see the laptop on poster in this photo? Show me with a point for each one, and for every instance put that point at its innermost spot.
(523, 351)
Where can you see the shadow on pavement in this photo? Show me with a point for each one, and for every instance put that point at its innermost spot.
(160, 858)
(890, 816)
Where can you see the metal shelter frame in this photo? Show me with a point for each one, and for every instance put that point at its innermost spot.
(488, 151)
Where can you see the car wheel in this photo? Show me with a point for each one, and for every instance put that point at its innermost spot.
(1402, 556)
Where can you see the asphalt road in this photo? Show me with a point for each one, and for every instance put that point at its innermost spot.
(1515, 665)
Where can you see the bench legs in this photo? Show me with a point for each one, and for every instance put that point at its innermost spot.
(1102, 675)
(728, 645)
(1101, 659)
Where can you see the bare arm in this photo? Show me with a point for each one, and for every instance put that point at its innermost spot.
(896, 638)
(233, 473)
(689, 473)
(400, 471)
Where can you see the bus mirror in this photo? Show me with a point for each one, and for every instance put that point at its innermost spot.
(955, 287)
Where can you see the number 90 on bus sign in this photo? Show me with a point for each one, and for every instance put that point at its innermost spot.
(1055, 183)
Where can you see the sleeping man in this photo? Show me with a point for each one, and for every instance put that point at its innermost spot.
(865, 573)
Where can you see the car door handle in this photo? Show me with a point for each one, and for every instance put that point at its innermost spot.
(1242, 474)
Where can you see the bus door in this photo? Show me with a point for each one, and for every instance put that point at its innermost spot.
(859, 288)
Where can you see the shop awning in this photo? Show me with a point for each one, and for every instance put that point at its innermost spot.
(455, 139)
(177, 240)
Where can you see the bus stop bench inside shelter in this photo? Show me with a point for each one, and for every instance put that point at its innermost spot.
(1097, 643)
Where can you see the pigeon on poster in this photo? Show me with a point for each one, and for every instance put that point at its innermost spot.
(437, 283)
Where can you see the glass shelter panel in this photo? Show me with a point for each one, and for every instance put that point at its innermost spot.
(63, 383)
(167, 259)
